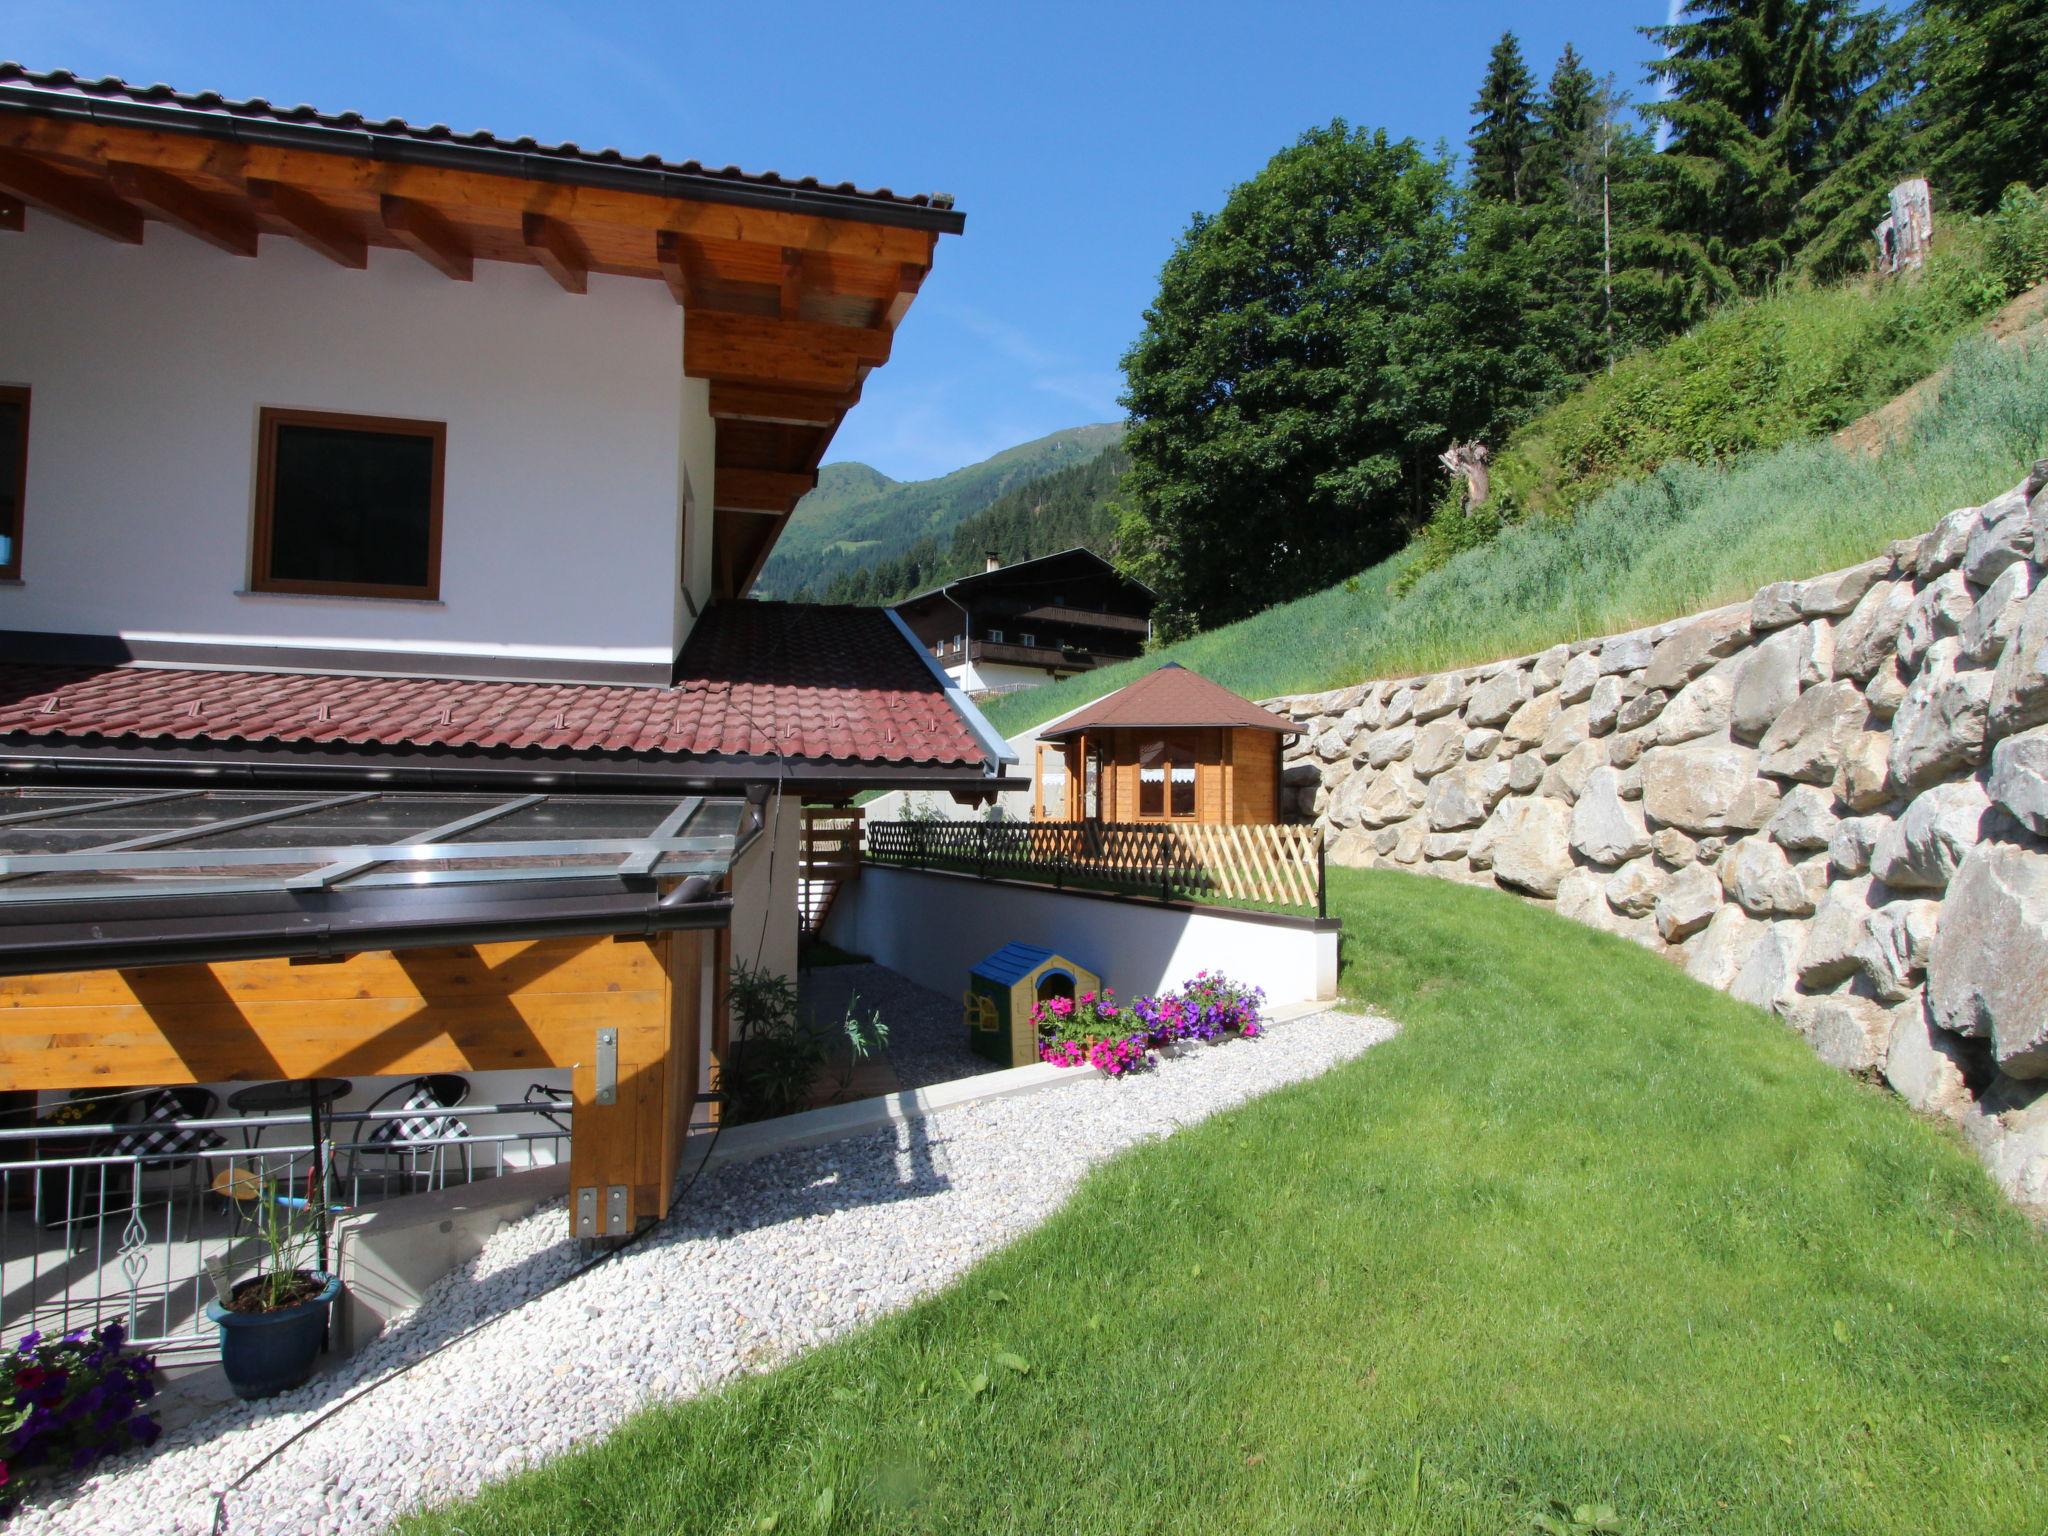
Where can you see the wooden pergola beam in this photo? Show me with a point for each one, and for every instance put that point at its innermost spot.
(671, 255)
(311, 222)
(909, 279)
(779, 407)
(76, 200)
(428, 236)
(183, 206)
(557, 250)
(801, 354)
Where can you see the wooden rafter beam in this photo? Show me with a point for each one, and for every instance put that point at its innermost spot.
(428, 236)
(311, 222)
(779, 407)
(799, 354)
(672, 255)
(75, 199)
(773, 491)
(909, 278)
(559, 253)
(790, 287)
(183, 206)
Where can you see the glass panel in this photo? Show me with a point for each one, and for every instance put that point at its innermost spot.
(13, 453)
(350, 506)
(1182, 762)
(1152, 779)
(387, 819)
(585, 817)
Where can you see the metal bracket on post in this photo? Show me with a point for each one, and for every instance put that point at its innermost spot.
(615, 1211)
(607, 1067)
(586, 1212)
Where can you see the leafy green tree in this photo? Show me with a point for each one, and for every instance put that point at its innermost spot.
(1980, 122)
(1288, 393)
(1769, 110)
(1504, 133)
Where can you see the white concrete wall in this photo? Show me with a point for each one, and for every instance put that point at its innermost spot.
(569, 426)
(764, 891)
(934, 927)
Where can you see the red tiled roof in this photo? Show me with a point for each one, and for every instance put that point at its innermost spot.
(825, 684)
(1171, 696)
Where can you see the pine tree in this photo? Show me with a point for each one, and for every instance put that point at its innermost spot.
(1767, 101)
(1980, 122)
(1504, 126)
(1567, 119)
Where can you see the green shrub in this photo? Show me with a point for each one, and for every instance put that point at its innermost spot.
(2017, 241)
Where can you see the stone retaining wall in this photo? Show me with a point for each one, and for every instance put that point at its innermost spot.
(1830, 801)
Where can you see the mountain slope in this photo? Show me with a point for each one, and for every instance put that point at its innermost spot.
(840, 528)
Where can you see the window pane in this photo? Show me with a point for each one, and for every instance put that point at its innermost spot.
(13, 421)
(351, 506)
(1182, 760)
(1152, 779)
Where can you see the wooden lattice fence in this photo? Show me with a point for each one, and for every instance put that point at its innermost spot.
(1278, 866)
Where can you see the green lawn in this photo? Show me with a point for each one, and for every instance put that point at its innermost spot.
(1585, 1231)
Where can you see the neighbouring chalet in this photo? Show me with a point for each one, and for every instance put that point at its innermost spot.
(1172, 747)
(378, 507)
(1013, 626)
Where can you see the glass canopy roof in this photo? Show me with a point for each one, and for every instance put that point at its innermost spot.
(82, 844)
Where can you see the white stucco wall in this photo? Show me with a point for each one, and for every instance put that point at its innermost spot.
(934, 927)
(764, 892)
(569, 424)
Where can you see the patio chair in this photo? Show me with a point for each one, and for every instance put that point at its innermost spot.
(148, 1129)
(382, 1141)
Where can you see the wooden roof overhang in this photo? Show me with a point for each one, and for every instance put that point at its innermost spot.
(791, 293)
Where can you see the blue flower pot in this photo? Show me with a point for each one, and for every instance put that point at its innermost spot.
(265, 1353)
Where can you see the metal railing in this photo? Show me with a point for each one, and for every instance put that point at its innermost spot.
(1275, 865)
(92, 1232)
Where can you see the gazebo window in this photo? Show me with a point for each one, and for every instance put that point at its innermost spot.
(1166, 781)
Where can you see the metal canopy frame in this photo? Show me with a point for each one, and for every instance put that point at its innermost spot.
(166, 894)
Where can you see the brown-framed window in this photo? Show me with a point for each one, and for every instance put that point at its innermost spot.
(348, 505)
(13, 475)
(1166, 781)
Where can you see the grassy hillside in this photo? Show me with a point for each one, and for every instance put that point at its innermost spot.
(1687, 537)
(838, 528)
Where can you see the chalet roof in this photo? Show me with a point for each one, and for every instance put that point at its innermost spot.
(110, 99)
(782, 682)
(1171, 697)
(1038, 567)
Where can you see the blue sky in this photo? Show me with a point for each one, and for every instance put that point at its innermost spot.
(1077, 138)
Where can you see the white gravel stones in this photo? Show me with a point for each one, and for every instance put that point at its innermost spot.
(762, 1260)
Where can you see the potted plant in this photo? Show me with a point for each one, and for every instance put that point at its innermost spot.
(271, 1323)
(66, 1403)
(1090, 1031)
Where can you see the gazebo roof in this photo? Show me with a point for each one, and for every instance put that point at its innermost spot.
(1171, 697)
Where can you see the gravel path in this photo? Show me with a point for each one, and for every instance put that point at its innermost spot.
(927, 1039)
(764, 1259)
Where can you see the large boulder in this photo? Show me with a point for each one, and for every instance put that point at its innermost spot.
(1939, 611)
(1634, 888)
(1847, 1031)
(2001, 538)
(1942, 550)
(1400, 704)
(1625, 653)
(1465, 796)
(1865, 782)
(1570, 727)
(1811, 740)
(1855, 839)
(1528, 724)
(1703, 707)
(1923, 848)
(1867, 638)
(1688, 903)
(1756, 875)
(1696, 647)
(1439, 696)
(1567, 776)
(1997, 614)
(1894, 953)
(1603, 705)
(1531, 849)
(1924, 1063)
(1706, 787)
(1580, 674)
(2019, 776)
(1805, 821)
(1838, 592)
(1547, 671)
(1771, 679)
(1389, 746)
(1380, 799)
(1498, 697)
(1438, 745)
(2019, 688)
(1606, 829)
(1768, 976)
(1716, 955)
(1841, 921)
(1939, 728)
(1988, 972)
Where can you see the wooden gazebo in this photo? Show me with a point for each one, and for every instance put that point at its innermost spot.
(1173, 747)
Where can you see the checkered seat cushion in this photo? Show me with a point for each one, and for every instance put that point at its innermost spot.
(419, 1123)
(157, 1135)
